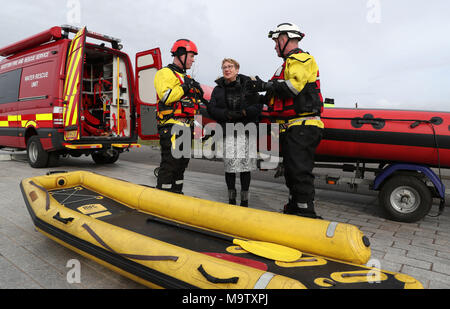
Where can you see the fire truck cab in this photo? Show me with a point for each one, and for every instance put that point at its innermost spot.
(65, 96)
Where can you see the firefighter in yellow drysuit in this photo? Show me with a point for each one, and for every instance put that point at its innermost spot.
(178, 101)
(295, 102)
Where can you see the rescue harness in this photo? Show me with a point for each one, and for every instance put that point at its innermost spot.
(308, 102)
(184, 109)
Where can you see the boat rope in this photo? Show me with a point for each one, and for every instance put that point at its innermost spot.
(415, 123)
(83, 200)
(129, 256)
(442, 204)
(68, 194)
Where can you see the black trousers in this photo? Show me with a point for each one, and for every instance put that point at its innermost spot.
(298, 145)
(171, 169)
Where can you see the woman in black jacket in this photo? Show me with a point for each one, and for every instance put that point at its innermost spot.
(231, 103)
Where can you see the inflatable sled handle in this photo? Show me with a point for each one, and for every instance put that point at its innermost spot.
(61, 219)
(55, 172)
(265, 249)
(214, 279)
(350, 275)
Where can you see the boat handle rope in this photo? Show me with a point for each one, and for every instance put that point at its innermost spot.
(61, 219)
(55, 172)
(329, 281)
(47, 196)
(306, 260)
(214, 279)
(129, 256)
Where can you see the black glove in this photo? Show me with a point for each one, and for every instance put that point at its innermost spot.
(190, 83)
(257, 85)
(234, 115)
(253, 98)
(198, 87)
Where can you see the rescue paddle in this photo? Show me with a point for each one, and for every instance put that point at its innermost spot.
(265, 249)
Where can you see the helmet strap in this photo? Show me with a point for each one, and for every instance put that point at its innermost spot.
(183, 63)
(284, 47)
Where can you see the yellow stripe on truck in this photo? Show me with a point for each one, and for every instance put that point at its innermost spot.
(72, 94)
(73, 68)
(14, 118)
(44, 117)
(75, 115)
(71, 62)
(73, 79)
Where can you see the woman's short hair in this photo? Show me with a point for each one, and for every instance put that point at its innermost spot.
(230, 60)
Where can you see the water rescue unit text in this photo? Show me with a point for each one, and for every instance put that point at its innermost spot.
(235, 298)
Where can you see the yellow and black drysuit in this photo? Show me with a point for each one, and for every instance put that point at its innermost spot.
(177, 104)
(295, 102)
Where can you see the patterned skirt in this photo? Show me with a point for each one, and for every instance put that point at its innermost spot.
(239, 153)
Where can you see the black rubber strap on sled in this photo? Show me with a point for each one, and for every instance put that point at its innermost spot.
(129, 256)
(214, 279)
(61, 219)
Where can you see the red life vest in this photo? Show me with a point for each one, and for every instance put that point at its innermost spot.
(186, 107)
(308, 102)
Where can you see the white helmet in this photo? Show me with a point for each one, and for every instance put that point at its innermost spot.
(292, 30)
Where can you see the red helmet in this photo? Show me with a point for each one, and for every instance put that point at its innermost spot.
(182, 46)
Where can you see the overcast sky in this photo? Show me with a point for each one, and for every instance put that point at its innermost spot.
(378, 53)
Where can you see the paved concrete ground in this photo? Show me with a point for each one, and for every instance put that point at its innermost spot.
(30, 260)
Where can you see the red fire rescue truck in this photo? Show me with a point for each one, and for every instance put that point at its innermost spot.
(65, 96)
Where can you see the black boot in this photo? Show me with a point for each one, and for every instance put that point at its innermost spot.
(244, 198)
(301, 209)
(290, 208)
(177, 188)
(232, 196)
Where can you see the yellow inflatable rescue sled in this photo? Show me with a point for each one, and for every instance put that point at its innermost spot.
(167, 240)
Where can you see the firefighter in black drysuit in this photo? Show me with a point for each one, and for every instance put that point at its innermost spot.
(178, 101)
(295, 102)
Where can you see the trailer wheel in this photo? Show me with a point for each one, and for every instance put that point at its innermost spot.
(405, 198)
(37, 156)
(105, 157)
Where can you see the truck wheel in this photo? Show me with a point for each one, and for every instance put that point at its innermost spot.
(53, 159)
(105, 157)
(37, 156)
(156, 172)
(405, 198)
